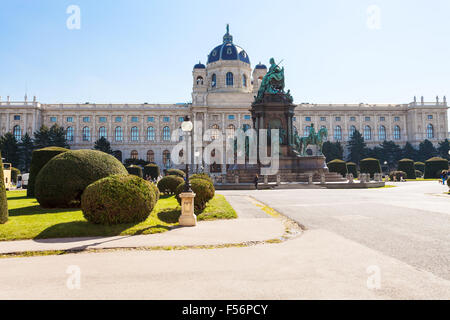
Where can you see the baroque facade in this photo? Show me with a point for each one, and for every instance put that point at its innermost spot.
(222, 93)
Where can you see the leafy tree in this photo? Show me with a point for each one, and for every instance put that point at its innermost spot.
(42, 137)
(103, 145)
(357, 147)
(409, 152)
(10, 149)
(333, 150)
(53, 137)
(138, 162)
(426, 150)
(390, 152)
(443, 149)
(26, 147)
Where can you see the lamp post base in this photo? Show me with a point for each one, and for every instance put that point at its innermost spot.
(188, 217)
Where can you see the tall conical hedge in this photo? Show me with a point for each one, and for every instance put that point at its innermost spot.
(3, 200)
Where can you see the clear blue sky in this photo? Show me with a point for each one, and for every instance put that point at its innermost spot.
(144, 51)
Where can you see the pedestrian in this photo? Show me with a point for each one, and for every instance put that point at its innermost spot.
(256, 181)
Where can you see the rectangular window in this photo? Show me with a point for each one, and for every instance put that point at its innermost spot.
(323, 119)
(367, 119)
(102, 119)
(382, 118)
(166, 119)
(307, 118)
(52, 119)
(16, 117)
(150, 119)
(86, 119)
(69, 119)
(231, 117)
(396, 119)
(247, 117)
(134, 119)
(294, 119)
(430, 117)
(118, 119)
(352, 118)
(180, 119)
(338, 119)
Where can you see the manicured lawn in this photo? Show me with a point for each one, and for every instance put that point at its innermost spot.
(27, 220)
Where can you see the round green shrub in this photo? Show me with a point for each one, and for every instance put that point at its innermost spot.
(176, 172)
(434, 166)
(156, 191)
(14, 174)
(3, 199)
(351, 168)
(61, 182)
(419, 174)
(151, 170)
(204, 191)
(419, 166)
(398, 175)
(118, 199)
(407, 165)
(338, 166)
(201, 176)
(135, 170)
(169, 184)
(39, 159)
(370, 165)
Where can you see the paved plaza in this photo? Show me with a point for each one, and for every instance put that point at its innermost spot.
(390, 243)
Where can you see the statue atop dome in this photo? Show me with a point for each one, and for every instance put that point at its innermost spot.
(273, 83)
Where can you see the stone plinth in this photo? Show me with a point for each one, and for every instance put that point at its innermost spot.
(188, 217)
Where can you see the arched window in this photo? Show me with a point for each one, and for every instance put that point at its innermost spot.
(118, 134)
(199, 81)
(245, 127)
(244, 80)
(151, 134)
(86, 134)
(306, 131)
(134, 154)
(134, 134)
(351, 131)
(397, 133)
(367, 133)
(338, 133)
(69, 134)
(166, 159)
(382, 133)
(230, 79)
(231, 130)
(215, 132)
(166, 134)
(102, 132)
(430, 131)
(150, 156)
(17, 131)
(213, 81)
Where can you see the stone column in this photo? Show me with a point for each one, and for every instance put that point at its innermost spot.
(278, 179)
(266, 179)
(310, 178)
(362, 178)
(322, 178)
(236, 179)
(188, 217)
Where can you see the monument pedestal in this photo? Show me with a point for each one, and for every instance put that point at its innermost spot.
(188, 217)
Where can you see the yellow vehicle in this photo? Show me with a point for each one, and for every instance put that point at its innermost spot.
(7, 176)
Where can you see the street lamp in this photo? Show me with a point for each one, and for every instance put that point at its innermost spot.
(186, 127)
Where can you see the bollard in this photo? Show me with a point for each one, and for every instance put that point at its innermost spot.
(266, 179)
(188, 217)
(322, 178)
(310, 178)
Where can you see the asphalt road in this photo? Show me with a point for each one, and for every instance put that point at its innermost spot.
(410, 222)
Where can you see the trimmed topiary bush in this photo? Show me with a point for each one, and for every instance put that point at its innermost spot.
(370, 165)
(407, 165)
(151, 170)
(419, 166)
(156, 191)
(351, 168)
(61, 182)
(169, 184)
(39, 159)
(419, 174)
(14, 174)
(338, 166)
(3, 199)
(118, 199)
(434, 166)
(398, 175)
(204, 191)
(176, 172)
(135, 170)
(201, 176)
